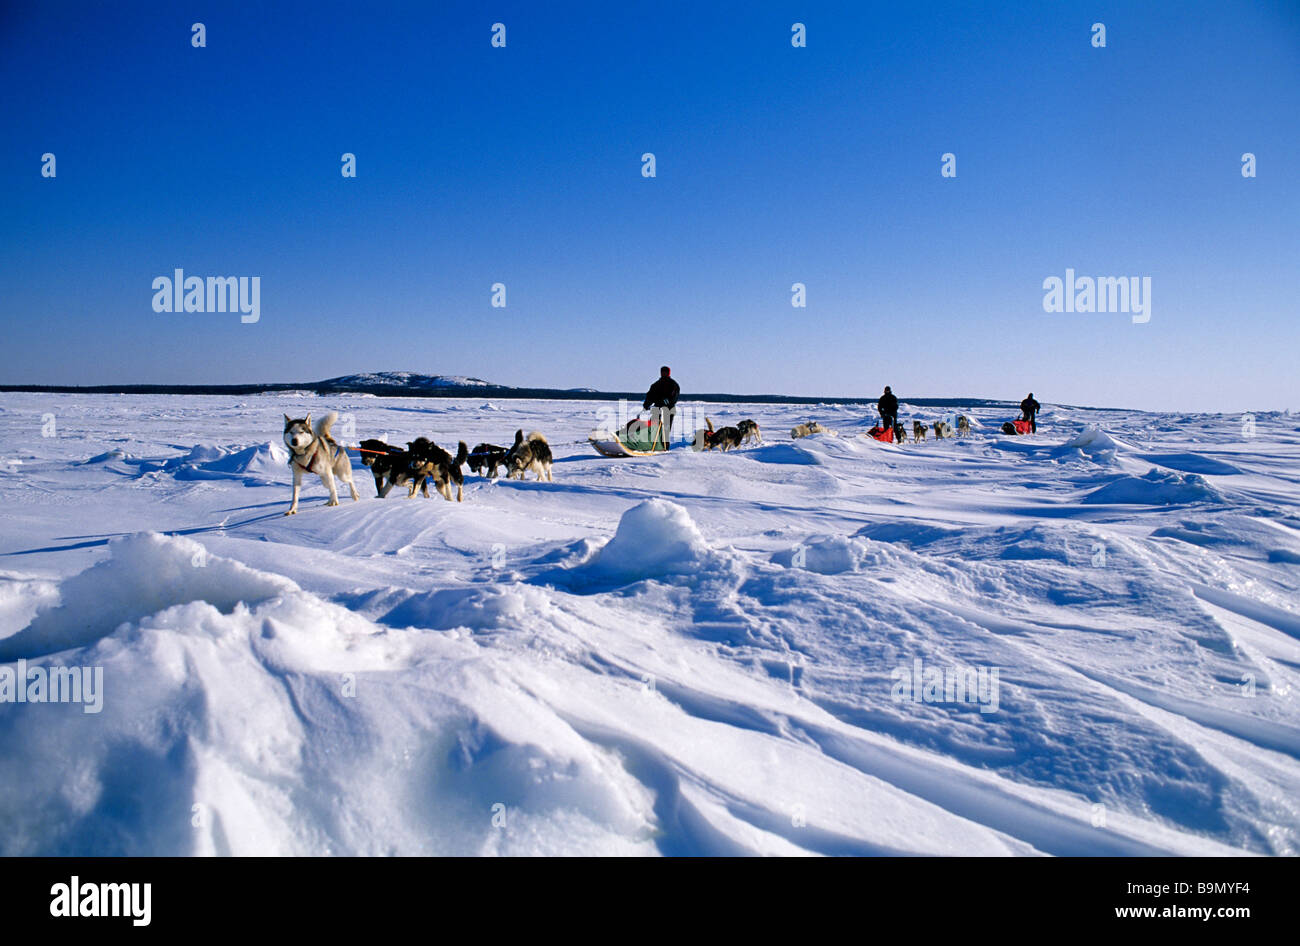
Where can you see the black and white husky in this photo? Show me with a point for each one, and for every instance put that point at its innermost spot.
(313, 450)
(430, 462)
(528, 453)
(485, 458)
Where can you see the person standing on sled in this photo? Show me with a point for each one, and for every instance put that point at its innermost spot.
(661, 402)
(1030, 408)
(888, 407)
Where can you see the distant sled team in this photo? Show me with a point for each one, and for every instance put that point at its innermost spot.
(890, 431)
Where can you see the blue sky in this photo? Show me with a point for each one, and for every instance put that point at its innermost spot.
(775, 165)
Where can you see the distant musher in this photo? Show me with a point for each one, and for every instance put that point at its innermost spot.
(661, 402)
(888, 407)
(1030, 408)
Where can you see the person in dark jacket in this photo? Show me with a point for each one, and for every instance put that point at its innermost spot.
(661, 402)
(1030, 408)
(888, 407)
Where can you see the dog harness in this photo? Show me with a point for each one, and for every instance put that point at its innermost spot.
(310, 460)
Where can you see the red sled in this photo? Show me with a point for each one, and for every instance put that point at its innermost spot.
(1017, 427)
(883, 434)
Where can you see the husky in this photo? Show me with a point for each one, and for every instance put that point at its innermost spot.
(808, 429)
(900, 433)
(430, 461)
(313, 450)
(387, 464)
(963, 425)
(728, 438)
(529, 453)
(942, 429)
(485, 458)
(749, 431)
(918, 431)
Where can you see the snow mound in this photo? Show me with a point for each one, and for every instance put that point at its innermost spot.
(1156, 488)
(654, 538)
(117, 453)
(21, 598)
(474, 608)
(296, 727)
(824, 554)
(144, 574)
(1092, 443)
(259, 463)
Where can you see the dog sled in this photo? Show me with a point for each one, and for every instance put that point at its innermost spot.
(640, 438)
(883, 434)
(1017, 427)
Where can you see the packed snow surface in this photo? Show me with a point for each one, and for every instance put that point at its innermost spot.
(1081, 642)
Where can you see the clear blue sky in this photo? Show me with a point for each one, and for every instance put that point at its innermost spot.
(775, 165)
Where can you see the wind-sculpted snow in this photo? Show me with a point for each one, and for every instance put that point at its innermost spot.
(144, 574)
(1092, 443)
(1079, 642)
(1156, 488)
(654, 539)
(824, 554)
(257, 464)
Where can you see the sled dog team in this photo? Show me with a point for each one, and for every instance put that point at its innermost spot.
(942, 430)
(313, 450)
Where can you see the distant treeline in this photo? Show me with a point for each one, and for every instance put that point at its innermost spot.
(474, 391)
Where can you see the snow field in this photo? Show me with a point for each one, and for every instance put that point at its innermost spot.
(684, 654)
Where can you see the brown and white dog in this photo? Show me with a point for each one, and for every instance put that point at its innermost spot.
(963, 425)
(918, 431)
(313, 450)
(749, 431)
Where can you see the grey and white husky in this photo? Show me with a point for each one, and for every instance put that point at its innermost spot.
(313, 450)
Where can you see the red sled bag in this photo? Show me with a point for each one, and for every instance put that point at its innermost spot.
(883, 434)
(1023, 426)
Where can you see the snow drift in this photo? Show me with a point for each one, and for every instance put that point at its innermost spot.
(654, 539)
(1156, 488)
(144, 574)
(265, 462)
(1092, 443)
